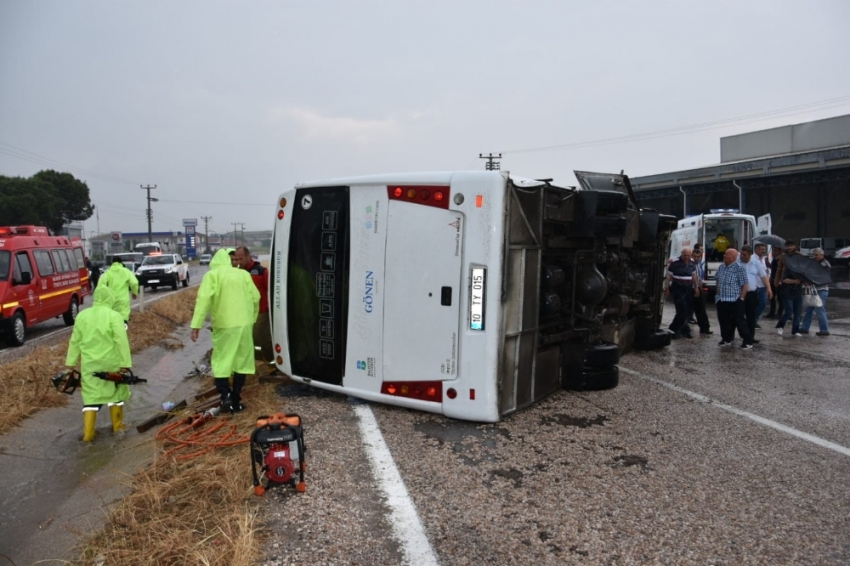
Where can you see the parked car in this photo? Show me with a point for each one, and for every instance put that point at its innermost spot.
(829, 245)
(842, 257)
(163, 269)
(205, 259)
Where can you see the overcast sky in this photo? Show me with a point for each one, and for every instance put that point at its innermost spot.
(233, 102)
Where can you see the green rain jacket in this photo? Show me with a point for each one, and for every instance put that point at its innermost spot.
(100, 339)
(232, 300)
(120, 280)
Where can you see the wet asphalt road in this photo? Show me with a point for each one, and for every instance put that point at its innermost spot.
(702, 455)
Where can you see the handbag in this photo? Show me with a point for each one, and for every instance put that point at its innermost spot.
(811, 297)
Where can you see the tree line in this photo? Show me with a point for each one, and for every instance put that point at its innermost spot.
(48, 198)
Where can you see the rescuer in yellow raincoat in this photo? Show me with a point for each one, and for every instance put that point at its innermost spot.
(120, 280)
(100, 339)
(230, 297)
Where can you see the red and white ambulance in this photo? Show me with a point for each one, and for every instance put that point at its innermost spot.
(41, 277)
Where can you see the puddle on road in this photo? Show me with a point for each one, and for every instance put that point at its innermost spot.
(580, 422)
(473, 442)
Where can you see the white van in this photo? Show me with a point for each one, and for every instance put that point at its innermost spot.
(829, 245)
(717, 231)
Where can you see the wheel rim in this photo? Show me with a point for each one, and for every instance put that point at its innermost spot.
(74, 310)
(19, 329)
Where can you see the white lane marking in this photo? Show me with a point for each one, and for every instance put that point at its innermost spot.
(407, 528)
(761, 420)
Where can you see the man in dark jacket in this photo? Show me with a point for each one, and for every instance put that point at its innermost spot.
(683, 285)
(260, 276)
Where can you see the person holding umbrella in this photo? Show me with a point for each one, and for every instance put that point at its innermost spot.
(790, 286)
(823, 292)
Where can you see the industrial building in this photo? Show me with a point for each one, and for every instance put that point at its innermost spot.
(800, 174)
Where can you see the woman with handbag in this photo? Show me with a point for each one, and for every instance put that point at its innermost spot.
(821, 292)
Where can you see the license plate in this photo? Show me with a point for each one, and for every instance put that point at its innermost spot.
(153, 280)
(476, 298)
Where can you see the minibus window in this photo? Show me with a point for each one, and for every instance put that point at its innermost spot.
(61, 261)
(22, 265)
(81, 261)
(5, 262)
(42, 260)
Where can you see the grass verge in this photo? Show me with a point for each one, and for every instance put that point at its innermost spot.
(25, 382)
(197, 511)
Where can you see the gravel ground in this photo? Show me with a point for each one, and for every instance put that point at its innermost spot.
(641, 474)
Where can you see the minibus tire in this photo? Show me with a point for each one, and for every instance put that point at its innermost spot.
(653, 341)
(186, 280)
(17, 334)
(602, 355)
(599, 379)
(174, 283)
(70, 315)
(586, 378)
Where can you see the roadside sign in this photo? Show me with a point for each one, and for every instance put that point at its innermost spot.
(190, 222)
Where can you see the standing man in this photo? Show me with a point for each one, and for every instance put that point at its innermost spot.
(260, 276)
(230, 298)
(790, 289)
(732, 287)
(765, 293)
(682, 284)
(100, 340)
(757, 282)
(775, 303)
(120, 280)
(699, 300)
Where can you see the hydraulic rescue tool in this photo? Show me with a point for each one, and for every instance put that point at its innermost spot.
(66, 382)
(125, 376)
(277, 448)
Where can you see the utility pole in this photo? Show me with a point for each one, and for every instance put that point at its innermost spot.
(150, 213)
(206, 220)
(235, 241)
(492, 164)
(242, 224)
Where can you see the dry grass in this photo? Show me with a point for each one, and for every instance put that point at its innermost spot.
(25, 383)
(198, 511)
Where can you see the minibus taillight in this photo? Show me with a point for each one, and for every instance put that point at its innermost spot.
(424, 194)
(421, 390)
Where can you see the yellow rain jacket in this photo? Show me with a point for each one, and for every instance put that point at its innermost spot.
(120, 280)
(232, 300)
(100, 339)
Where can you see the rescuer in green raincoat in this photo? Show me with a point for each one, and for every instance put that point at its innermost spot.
(230, 297)
(120, 280)
(100, 339)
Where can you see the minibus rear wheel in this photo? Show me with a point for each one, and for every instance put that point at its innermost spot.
(70, 315)
(17, 333)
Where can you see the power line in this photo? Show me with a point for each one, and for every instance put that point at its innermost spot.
(266, 204)
(21, 153)
(746, 119)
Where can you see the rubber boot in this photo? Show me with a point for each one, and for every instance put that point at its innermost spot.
(222, 384)
(236, 393)
(89, 420)
(117, 414)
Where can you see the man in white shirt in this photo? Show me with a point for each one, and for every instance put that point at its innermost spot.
(765, 293)
(756, 280)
